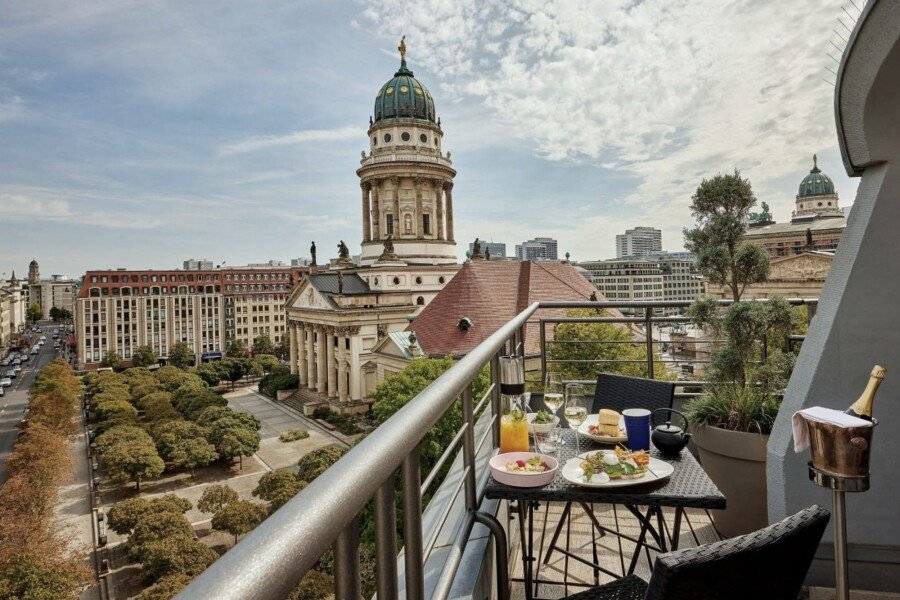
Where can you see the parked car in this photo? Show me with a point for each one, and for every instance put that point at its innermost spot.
(11, 373)
(5, 382)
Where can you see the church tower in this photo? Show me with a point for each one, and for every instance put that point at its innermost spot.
(34, 274)
(816, 197)
(406, 181)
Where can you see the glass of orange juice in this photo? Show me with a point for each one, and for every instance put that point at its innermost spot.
(513, 432)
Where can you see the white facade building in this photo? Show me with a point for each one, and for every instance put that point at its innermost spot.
(638, 241)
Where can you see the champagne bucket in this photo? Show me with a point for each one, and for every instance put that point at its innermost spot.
(841, 451)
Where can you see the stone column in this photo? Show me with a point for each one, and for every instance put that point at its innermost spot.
(449, 195)
(376, 212)
(398, 222)
(439, 209)
(321, 361)
(341, 369)
(418, 228)
(302, 372)
(292, 345)
(332, 365)
(310, 357)
(366, 213)
(355, 370)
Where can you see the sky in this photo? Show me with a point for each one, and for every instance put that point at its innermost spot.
(139, 134)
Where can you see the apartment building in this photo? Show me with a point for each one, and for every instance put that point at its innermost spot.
(638, 242)
(119, 310)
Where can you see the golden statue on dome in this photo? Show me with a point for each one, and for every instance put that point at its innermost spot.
(402, 48)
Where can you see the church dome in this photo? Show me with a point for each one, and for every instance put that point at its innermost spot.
(816, 183)
(404, 96)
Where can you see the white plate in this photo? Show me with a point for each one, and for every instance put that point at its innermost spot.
(571, 472)
(584, 430)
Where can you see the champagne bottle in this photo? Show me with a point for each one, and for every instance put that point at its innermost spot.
(862, 408)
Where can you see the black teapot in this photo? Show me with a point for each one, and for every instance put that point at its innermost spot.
(669, 439)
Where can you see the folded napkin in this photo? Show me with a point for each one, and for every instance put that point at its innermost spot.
(821, 415)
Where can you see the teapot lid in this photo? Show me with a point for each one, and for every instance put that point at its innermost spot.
(669, 428)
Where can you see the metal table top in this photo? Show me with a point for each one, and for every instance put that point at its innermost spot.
(689, 486)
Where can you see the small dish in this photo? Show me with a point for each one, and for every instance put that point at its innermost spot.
(502, 475)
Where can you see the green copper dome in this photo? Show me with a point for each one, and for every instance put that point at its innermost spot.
(816, 183)
(404, 96)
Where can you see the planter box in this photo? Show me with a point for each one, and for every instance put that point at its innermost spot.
(736, 462)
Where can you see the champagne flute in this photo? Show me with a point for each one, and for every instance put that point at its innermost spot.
(576, 410)
(553, 392)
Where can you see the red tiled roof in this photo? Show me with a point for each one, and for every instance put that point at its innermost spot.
(490, 293)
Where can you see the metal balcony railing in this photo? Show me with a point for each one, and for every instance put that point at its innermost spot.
(269, 562)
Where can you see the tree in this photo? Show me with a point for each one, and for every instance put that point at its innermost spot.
(315, 585)
(396, 390)
(157, 526)
(29, 578)
(210, 373)
(181, 356)
(124, 516)
(262, 344)
(144, 356)
(184, 445)
(172, 378)
(214, 497)
(134, 461)
(266, 362)
(281, 350)
(239, 517)
(54, 313)
(233, 369)
(166, 588)
(277, 487)
(721, 206)
(112, 360)
(34, 312)
(65, 314)
(120, 434)
(580, 360)
(176, 555)
(236, 349)
(317, 462)
(191, 400)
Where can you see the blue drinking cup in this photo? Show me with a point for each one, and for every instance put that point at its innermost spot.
(637, 425)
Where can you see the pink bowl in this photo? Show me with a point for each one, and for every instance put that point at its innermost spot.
(501, 475)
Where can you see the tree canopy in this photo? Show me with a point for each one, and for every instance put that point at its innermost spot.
(181, 356)
(144, 356)
(262, 344)
(215, 497)
(238, 517)
(278, 486)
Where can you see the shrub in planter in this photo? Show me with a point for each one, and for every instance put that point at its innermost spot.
(733, 419)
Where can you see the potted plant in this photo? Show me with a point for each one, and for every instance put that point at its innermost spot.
(732, 420)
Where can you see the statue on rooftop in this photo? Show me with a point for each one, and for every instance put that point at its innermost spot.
(312, 254)
(476, 249)
(402, 48)
(343, 250)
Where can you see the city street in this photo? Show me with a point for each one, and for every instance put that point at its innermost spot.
(15, 399)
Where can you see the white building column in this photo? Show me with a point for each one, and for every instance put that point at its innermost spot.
(299, 336)
(448, 194)
(342, 369)
(332, 365)
(292, 345)
(321, 361)
(310, 335)
(355, 369)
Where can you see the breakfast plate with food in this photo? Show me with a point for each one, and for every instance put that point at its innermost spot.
(618, 467)
(523, 469)
(606, 427)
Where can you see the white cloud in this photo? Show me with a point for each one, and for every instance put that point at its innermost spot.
(667, 91)
(31, 204)
(302, 136)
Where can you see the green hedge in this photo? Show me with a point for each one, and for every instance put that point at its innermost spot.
(279, 379)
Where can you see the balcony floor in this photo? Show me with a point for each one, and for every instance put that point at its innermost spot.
(580, 544)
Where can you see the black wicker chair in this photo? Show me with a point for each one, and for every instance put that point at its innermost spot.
(770, 563)
(619, 392)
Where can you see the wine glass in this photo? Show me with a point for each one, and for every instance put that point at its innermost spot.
(576, 409)
(553, 392)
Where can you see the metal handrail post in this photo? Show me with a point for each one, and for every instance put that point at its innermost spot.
(346, 563)
(648, 331)
(543, 340)
(495, 399)
(469, 447)
(412, 528)
(386, 542)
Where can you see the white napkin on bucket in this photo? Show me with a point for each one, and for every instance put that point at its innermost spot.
(821, 415)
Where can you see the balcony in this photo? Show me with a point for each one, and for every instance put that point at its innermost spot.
(458, 543)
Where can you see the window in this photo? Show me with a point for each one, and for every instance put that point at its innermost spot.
(404, 136)
(374, 140)
(426, 224)
(441, 279)
(396, 281)
(423, 138)
(389, 223)
(420, 301)
(419, 280)
(387, 138)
